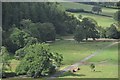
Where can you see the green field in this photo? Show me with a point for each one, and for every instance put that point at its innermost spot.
(102, 71)
(76, 51)
(73, 5)
(106, 60)
(102, 20)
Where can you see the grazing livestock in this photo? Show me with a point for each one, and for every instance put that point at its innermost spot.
(92, 66)
(75, 69)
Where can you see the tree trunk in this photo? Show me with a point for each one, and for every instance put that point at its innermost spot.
(93, 38)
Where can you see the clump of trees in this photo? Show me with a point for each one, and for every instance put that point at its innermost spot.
(87, 29)
(26, 26)
(17, 39)
(39, 61)
(36, 12)
(42, 31)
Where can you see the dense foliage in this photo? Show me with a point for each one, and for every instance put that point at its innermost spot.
(39, 61)
(37, 12)
(32, 22)
(117, 15)
(42, 31)
(112, 32)
(87, 29)
(4, 61)
(79, 33)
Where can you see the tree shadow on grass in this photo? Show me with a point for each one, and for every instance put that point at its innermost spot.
(98, 71)
(8, 74)
(69, 73)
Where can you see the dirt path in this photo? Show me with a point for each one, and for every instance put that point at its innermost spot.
(80, 62)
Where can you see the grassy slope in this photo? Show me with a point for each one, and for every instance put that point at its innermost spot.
(108, 67)
(112, 52)
(74, 52)
(102, 20)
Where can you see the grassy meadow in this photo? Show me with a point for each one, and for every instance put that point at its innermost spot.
(74, 52)
(101, 20)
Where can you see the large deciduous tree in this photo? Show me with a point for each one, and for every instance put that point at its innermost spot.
(18, 39)
(90, 28)
(39, 61)
(79, 33)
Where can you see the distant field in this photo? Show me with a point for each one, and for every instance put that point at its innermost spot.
(69, 5)
(102, 20)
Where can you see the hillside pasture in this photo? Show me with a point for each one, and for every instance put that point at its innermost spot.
(101, 20)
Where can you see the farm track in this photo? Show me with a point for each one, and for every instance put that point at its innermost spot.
(82, 62)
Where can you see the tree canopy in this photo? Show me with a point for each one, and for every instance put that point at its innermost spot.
(39, 60)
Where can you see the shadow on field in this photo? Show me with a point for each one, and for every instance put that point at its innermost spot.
(71, 74)
(98, 71)
(8, 75)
